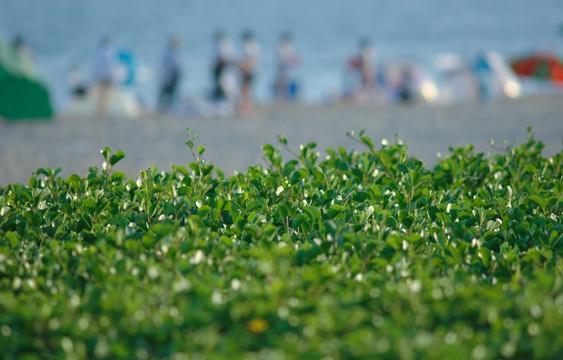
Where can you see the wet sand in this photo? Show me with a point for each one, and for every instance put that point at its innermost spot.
(234, 143)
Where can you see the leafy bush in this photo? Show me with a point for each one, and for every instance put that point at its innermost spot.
(360, 255)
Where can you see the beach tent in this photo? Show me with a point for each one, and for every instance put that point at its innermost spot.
(540, 66)
(22, 94)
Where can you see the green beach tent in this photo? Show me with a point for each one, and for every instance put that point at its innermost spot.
(22, 93)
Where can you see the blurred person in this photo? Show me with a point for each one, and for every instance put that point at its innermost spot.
(287, 58)
(406, 87)
(104, 68)
(22, 49)
(248, 66)
(222, 58)
(362, 72)
(484, 77)
(171, 73)
(366, 58)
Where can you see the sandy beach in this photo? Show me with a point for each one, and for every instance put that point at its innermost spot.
(234, 143)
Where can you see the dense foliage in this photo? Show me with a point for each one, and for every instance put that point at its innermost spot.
(361, 255)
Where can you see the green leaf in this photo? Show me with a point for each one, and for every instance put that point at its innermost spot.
(269, 230)
(334, 210)
(194, 167)
(46, 172)
(394, 241)
(360, 196)
(539, 201)
(391, 222)
(74, 179)
(215, 215)
(148, 241)
(117, 175)
(312, 211)
(203, 210)
(376, 191)
(485, 256)
(226, 240)
(89, 204)
(366, 140)
(299, 218)
(299, 175)
(403, 168)
(106, 153)
(268, 147)
(530, 168)
(67, 209)
(254, 205)
(115, 158)
(13, 239)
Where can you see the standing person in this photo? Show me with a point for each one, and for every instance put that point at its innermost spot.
(287, 58)
(222, 58)
(170, 74)
(483, 77)
(366, 64)
(362, 75)
(105, 63)
(406, 87)
(248, 66)
(23, 50)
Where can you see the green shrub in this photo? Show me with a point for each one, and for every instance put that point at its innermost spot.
(360, 255)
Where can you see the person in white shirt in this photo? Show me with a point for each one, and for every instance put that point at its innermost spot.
(105, 63)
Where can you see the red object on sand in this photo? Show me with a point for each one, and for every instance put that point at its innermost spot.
(541, 66)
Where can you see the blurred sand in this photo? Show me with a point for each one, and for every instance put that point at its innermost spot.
(234, 143)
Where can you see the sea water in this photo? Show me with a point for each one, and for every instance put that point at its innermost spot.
(63, 33)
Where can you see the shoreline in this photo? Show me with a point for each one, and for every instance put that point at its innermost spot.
(233, 143)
